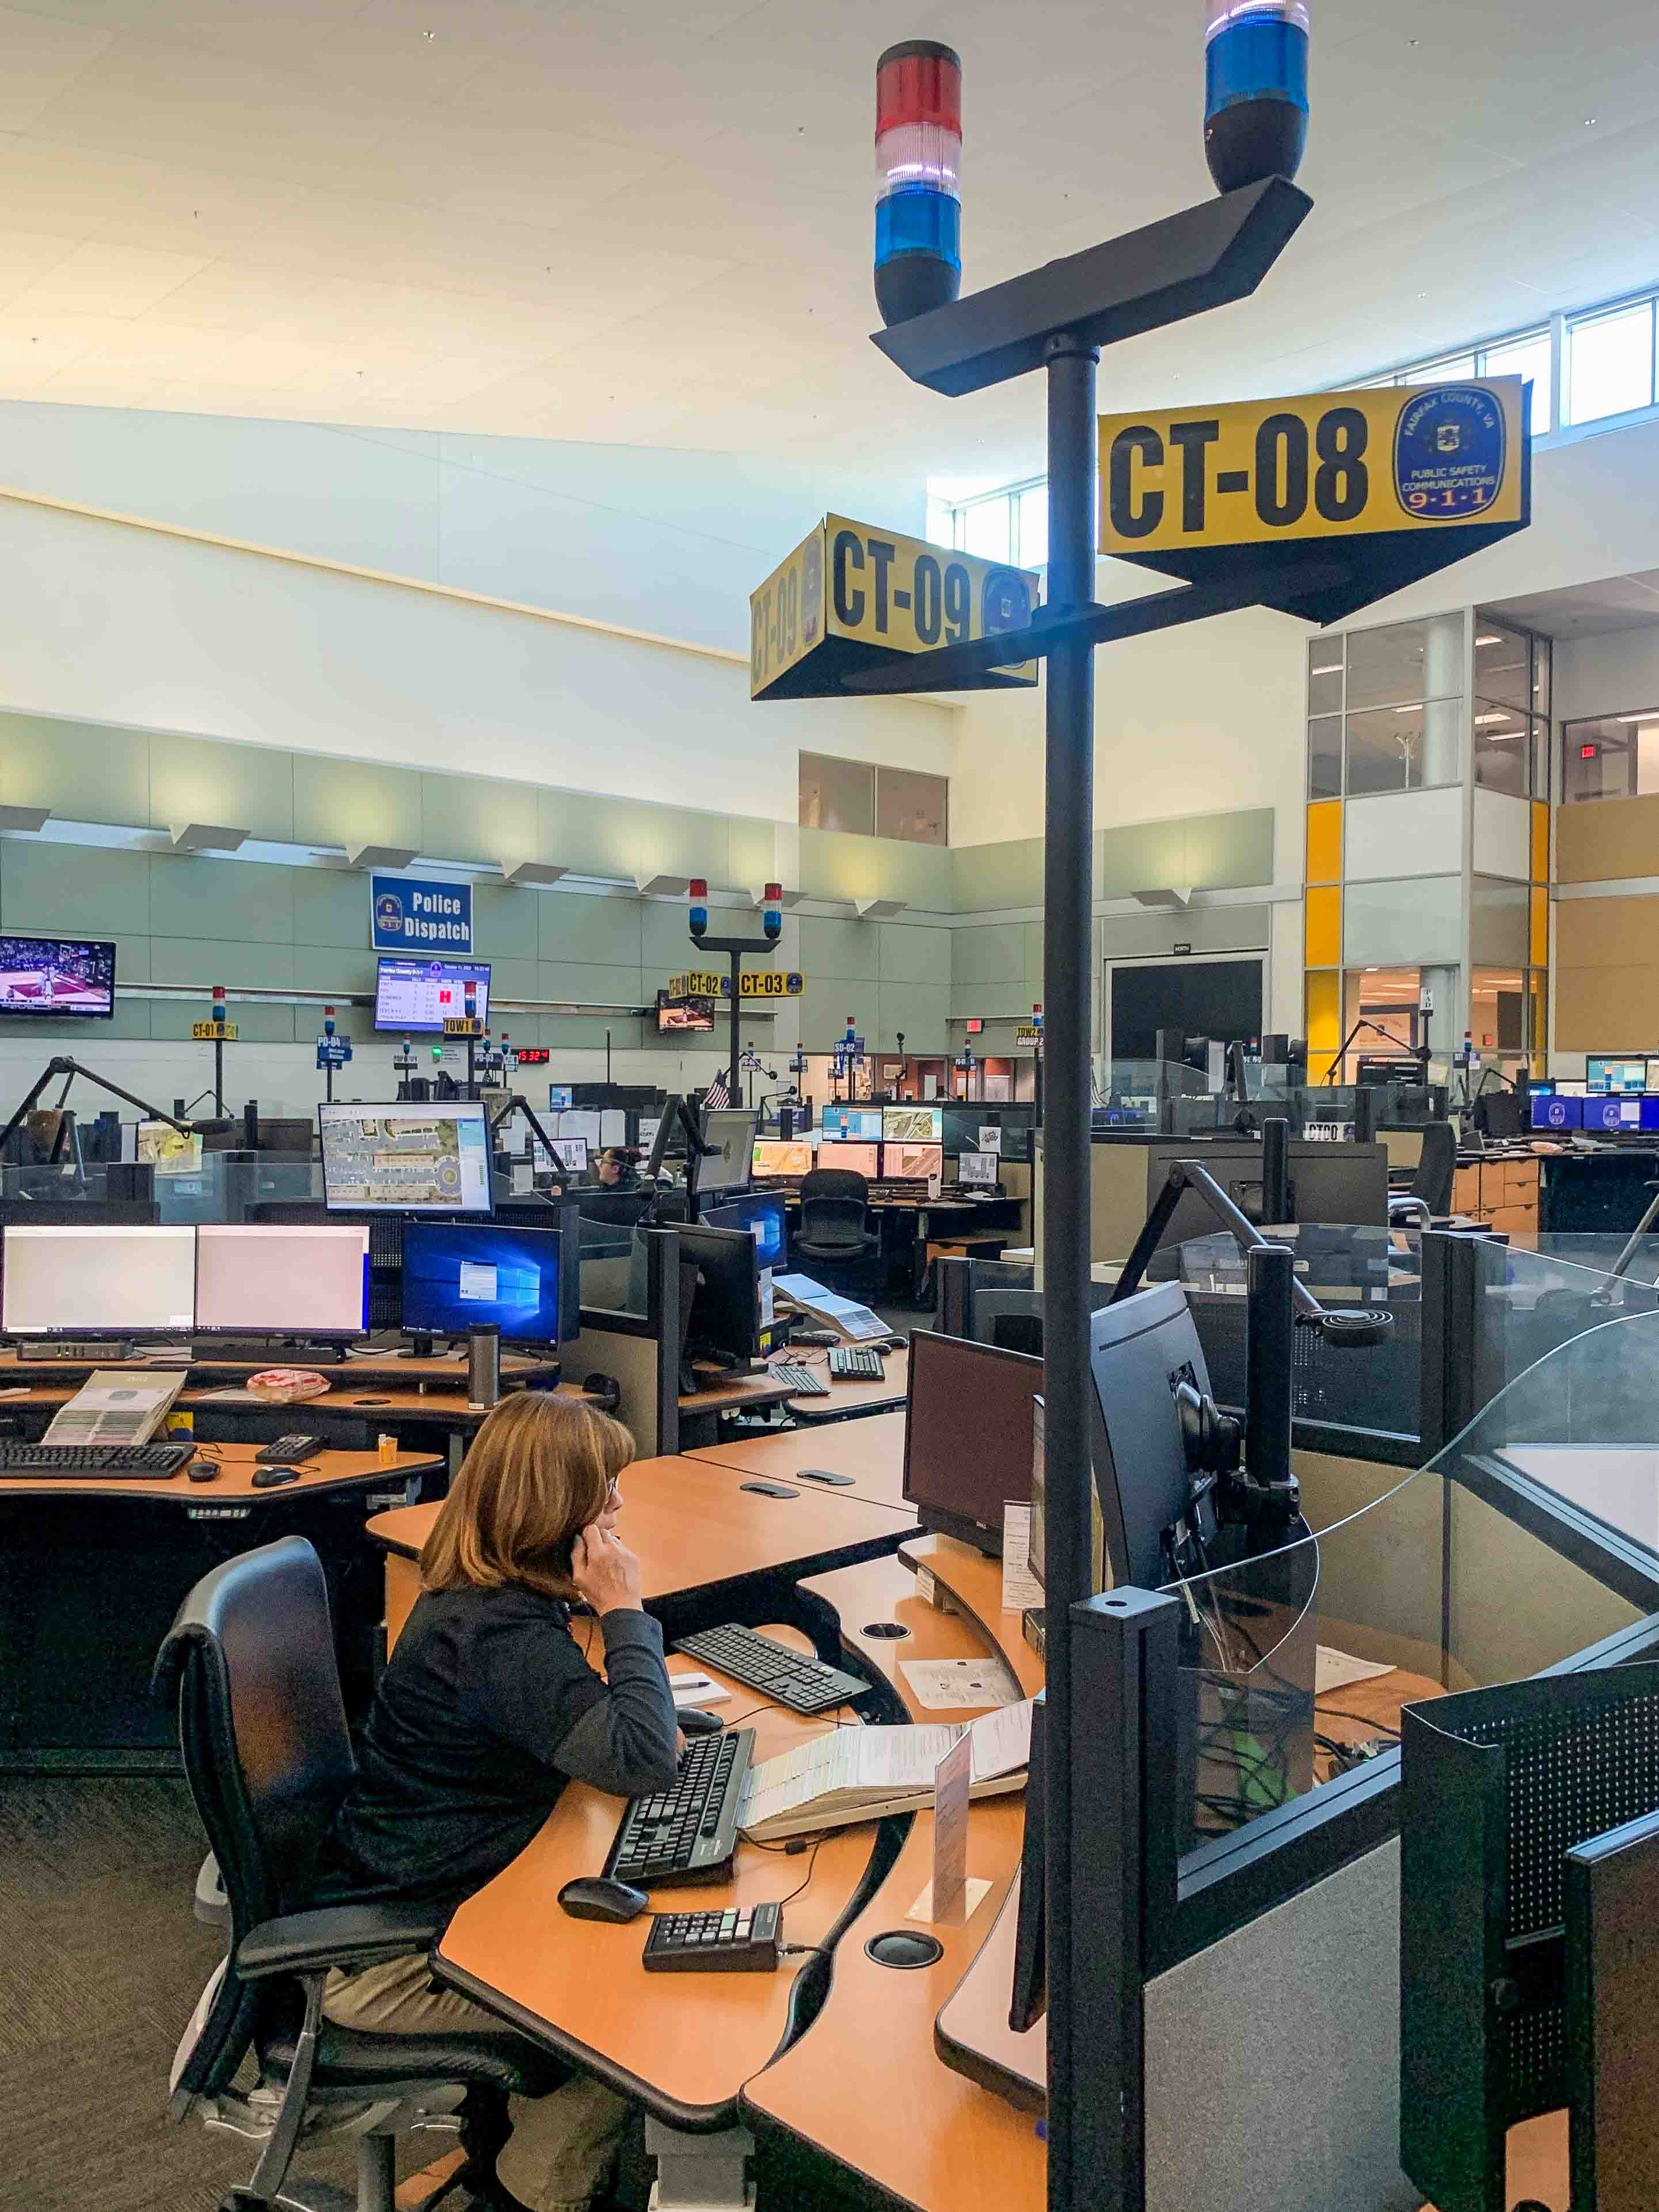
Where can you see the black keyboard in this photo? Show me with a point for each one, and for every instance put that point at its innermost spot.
(789, 1678)
(689, 1832)
(151, 1459)
(854, 1362)
(801, 1381)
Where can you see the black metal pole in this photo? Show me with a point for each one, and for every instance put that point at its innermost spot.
(1068, 888)
(219, 1079)
(737, 1044)
(1276, 1169)
(1270, 1349)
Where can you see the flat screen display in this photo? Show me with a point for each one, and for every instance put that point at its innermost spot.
(460, 1275)
(406, 1159)
(684, 1016)
(1606, 1115)
(852, 1124)
(978, 1170)
(558, 1097)
(775, 1157)
(1648, 1114)
(731, 1130)
(256, 1280)
(968, 1428)
(858, 1159)
(904, 1162)
(1558, 1113)
(100, 1281)
(571, 1153)
(58, 976)
(763, 1215)
(1606, 1074)
(913, 1125)
(419, 996)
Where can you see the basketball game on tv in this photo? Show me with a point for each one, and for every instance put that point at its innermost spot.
(57, 975)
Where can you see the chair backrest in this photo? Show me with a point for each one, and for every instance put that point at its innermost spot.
(1011, 1318)
(1435, 1167)
(832, 1207)
(262, 1730)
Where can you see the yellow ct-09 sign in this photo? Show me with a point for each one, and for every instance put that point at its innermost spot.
(853, 596)
(1331, 466)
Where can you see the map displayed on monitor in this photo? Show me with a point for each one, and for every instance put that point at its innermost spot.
(421, 995)
(57, 975)
(399, 1158)
(913, 1125)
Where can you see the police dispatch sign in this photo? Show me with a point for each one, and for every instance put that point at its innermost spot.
(411, 916)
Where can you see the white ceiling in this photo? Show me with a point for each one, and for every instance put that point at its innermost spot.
(649, 222)
(1597, 609)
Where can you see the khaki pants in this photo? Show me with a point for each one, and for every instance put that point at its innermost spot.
(563, 2147)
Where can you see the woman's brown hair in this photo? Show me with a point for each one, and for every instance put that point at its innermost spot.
(539, 1472)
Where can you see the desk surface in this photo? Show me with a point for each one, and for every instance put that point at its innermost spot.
(448, 1368)
(328, 1470)
(694, 1526)
(870, 1451)
(735, 1391)
(863, 2083)
(849, 1397)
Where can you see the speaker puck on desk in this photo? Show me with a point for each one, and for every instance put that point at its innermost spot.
(884, 1631)
(902, 1948)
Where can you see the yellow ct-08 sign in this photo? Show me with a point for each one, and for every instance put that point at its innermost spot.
(1331, 466)
(854, 596)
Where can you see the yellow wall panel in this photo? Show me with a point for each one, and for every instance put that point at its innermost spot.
(1606, 1009)
(1606, 933)
(1324, 842)
(1538, 949)
(1541, 842)
(1600, 839)
(1322, 927)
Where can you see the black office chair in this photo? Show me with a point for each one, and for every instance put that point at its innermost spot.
(1430, 1192)
(262, 1733)
(833, 1205)
(1011, 1319)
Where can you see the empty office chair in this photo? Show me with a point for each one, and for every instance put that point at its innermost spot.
(249, 1659)
(834, 1202)
(1430, 1192)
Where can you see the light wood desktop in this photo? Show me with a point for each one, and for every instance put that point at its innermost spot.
(848, 1398)
(440, 1370)
(326, 1470)
(694, 1526)
(1538, 2164)
(872, 1451)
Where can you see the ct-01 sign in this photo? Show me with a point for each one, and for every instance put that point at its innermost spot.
(853, 596)
(754, 983)
(213, 1032)
(1333, 465)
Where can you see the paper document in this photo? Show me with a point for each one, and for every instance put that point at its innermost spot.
(1335, 1670)
(1020, 1588)
(1002, 1741)
(862, 1773)
(952, 1779)
(113, 1408)
(942, 1686)
(852, 1319)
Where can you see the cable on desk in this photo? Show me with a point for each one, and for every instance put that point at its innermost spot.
(1359, 1720)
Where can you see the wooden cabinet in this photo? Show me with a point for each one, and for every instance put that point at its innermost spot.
(1504, 1193)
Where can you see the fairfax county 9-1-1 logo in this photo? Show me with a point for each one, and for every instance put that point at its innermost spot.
(1449, 452)
(389, 914)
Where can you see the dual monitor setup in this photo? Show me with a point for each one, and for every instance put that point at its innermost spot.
(1618, 1096)
(901, 1143)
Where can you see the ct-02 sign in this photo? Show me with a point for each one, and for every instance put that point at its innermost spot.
(853, 596)
(1335, 464)
(754, 983)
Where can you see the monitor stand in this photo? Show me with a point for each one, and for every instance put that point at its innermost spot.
(261, 1351)
(98, 1350)
(418, 1347)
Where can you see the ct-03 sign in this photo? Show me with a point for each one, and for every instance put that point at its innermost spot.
(853, 596)
(1335, 464)
(754, 983)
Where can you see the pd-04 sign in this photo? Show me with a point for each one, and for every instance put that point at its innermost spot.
(852, 596)
(409, 916)
(1337, 464)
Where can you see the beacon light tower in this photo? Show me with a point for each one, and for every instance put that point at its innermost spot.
(1056, 317)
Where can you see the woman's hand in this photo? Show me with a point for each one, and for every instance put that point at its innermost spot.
(605, 1572)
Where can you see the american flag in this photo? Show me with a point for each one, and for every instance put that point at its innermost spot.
(717, 1093)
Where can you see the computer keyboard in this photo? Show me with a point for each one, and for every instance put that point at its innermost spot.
(855, 1363)
(789, 1678)
(689, 1832)
(800, 1382)
(150, 1459)
(743, 1940)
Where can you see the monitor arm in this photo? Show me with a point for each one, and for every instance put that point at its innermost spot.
(68, 1069)
(517, 1103)
(676, 1114)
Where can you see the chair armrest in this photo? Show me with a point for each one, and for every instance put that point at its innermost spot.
(336, 1935)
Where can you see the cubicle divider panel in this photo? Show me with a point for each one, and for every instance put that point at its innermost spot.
(640, 1351)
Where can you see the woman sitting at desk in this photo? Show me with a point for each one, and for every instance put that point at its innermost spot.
(485, 1711)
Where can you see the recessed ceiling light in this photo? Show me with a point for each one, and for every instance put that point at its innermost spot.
(1489, 641)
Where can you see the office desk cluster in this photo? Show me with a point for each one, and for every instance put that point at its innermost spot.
(862, 2084)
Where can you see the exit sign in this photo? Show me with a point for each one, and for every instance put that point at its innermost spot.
(975, 1027)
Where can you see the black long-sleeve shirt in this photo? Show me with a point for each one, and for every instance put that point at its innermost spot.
(485, 1711)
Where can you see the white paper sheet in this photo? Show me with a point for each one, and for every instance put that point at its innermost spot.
(1335, 1670)
(944, 1685)
(1020, 1587)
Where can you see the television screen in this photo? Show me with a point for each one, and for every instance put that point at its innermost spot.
(406, 1159)
(694, 1016)
(418, 996)
(58, 976)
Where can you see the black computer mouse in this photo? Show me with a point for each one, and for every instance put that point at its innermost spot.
(694, 1722)
(273, 1478)
(591, 1897)
(203, 1470)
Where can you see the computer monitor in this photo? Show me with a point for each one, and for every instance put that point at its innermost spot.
(458, 1275)
(1611, 1112)
(913, 1125)
(911, 1162)
(433, 1158)
(58, 976)
(968, 1429)
(858, 1125)
(857, 1159)
(762, 1214)
(1571, 1086)
(1604, 1074)
(1028, 2000)
(1648, 1114)
(419, 996)
(257, 1278)
(781, 1159)
(571, 1153)
(1556, 1116)
(731, 1130)
(1500, 1114)
(725, 1314)
(558, 1097)
(978, 1170)
(1139, 1463)
(104, 1281)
